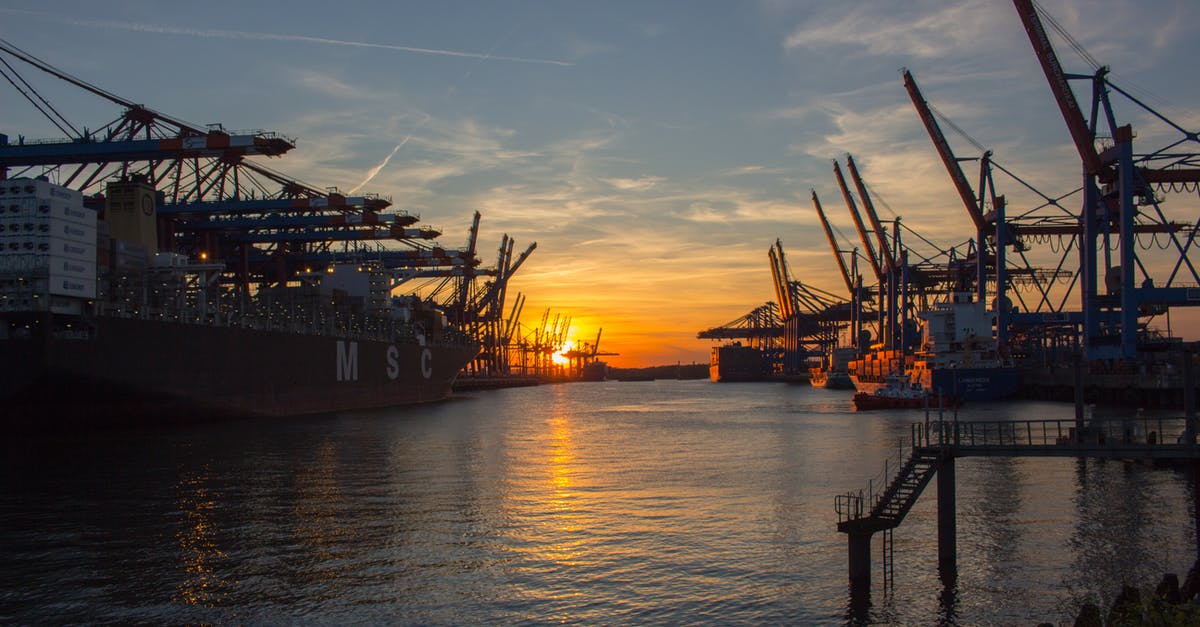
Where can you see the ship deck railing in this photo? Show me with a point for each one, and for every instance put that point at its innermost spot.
(355, 325)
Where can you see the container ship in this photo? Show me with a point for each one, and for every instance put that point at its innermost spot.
(99, 326)
(834, 373)
(958, 358)
(736, 363)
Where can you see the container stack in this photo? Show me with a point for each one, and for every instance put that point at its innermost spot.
(47, 244)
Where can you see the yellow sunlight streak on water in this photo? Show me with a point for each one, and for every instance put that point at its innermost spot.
(198, 554)
(561, 498)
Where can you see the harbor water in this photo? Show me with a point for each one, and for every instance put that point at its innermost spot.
(652, 502)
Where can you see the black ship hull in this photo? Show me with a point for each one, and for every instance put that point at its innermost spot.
(735, 363)
(123, 370)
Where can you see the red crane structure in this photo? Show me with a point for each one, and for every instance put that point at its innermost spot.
(852, 279)
(1120, 189)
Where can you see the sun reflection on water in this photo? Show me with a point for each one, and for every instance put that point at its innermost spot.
(199, 554)
(562, 499)
(316, 516)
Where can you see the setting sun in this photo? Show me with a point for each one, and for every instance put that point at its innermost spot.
(560, 357)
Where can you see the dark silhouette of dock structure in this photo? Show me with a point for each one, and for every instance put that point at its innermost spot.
(935, 444)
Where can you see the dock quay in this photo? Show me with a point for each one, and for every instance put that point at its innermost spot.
(935, 444)
(1157, 381)
(471, 384)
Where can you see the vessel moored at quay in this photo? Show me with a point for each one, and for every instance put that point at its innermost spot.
(833, 373)
(736, 363)
(97, 328)
(958, 358)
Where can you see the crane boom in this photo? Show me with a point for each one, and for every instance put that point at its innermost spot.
(943, 147)
(1081, 132)
(858, 223)
(885, 251)
(1063, 95)
(779, 280)
(833, 244)
(133, 107)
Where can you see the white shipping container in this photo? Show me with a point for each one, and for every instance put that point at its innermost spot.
(22, 207)
(11, 225)
(82, 233)
(66, 305)
(169, 260)
(36, 188)
(61, 266)
(75, 214)
(72, 250)
(12, 246)
(72, 286)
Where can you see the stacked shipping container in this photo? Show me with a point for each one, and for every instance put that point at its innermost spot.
(47, 244)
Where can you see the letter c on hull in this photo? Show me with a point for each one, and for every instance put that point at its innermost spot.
(426, 365)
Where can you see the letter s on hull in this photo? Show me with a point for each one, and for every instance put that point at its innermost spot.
(393, 363)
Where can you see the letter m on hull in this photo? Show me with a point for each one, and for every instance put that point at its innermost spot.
(347, 361)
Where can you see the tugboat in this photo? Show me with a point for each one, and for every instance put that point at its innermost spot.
(898, 392)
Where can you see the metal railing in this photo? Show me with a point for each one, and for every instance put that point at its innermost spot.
(1137, 430)
(849, 506)
(852, 506)
(939, 432)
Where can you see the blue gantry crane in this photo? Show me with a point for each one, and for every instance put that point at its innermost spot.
(209, 201)
(1121, 189)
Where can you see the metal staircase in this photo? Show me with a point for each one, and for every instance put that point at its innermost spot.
(890, 507)
(904, 490)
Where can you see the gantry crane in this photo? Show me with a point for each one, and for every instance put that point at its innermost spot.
(1119, 186)
(852, 280)
(895, 267)
(889, 273)
(209, 202)
(583, 358)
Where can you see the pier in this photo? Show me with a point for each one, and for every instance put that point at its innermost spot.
(935, 444)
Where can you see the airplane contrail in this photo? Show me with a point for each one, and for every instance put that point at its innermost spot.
(449, 92)
(382, 164)
(251, 35)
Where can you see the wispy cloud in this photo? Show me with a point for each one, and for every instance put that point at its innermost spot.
(936, 31)
(260, 36)
(639, 184)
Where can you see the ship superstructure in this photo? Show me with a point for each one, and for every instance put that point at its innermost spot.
(958, 356)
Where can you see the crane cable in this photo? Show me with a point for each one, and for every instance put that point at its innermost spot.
(1075, 45)
(956, 128)
(54, 119)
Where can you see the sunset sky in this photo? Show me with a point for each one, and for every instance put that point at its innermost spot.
(653, 150)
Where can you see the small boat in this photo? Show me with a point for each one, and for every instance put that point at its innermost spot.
(898, 392)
